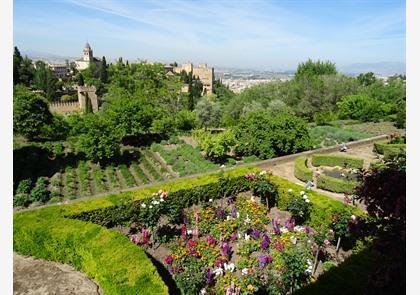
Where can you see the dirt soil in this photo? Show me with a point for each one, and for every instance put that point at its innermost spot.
(32, 276)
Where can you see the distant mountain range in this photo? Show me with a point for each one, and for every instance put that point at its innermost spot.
(379, 68)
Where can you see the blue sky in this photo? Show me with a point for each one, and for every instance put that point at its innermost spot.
(247, 34)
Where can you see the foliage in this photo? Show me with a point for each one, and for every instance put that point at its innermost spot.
(185, 120)
(383, 191)
(216, 146)
(208, 113)
(300, 207)
(366, 79)
(317, 68)
(335, 185)
(45, 80)
(336, 160)
(362, 107)
(23, 69)
(30, 113)
(389, 148)
(323, 118)
(40, 192)
(266, 136)
(329, 135)
(97, 145)
(301, 170)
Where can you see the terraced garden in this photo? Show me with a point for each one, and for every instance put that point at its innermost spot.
(158, 163)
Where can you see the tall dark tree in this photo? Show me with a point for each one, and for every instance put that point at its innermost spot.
(80, 80)
(44, 79)
(366, 79)
(318, 68)
(17, 60)
(103, 74)
(26, 72)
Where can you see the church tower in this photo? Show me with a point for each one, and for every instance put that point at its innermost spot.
(87, 53)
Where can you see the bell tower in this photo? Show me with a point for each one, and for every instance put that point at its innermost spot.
(87, 53)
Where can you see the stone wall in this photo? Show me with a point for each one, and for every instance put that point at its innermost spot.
(63, 108)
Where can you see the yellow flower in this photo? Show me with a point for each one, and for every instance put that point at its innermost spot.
(250, 287)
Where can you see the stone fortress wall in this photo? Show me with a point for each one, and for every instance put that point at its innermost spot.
(204, 73)
(83, 93)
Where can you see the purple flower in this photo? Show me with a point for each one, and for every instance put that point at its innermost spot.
(183, 231)
(135, 239)
(208, 274)
(169, 259)
(184, 216)
(289, 224)
(225, 249)
(233, 237)
(264, 259)
(308, 230)
(234, 213)
(276, 228)
(230, 201)
(146, 235)
(255, 233)
(265, 243)
(220, 213)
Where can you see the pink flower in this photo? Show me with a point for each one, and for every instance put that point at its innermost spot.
(169, 259)
(326, 242)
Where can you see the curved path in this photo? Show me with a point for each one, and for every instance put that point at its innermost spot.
(32, 276)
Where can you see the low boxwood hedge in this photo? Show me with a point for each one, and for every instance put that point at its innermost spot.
(389, 150)
(301, 171)
(108, 257)
(336, 160)
(335, 185)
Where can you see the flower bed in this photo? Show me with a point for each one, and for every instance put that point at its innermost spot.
(301, 171)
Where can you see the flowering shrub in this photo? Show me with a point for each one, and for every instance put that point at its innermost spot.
(300, 207)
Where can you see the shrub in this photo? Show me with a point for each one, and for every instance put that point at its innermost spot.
(22, 200)
(40, 192)
(302, 172)
(300, 208)
(382, 148)
(216, 146)
(361, 107)
(265, 136)
(336, 160)
(24, 186)
(335, 185)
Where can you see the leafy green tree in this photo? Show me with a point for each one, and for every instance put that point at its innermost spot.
(222, 92)
(265, 136)
(30, 113)
(45, 80)
(185, 120)
(96, 138)
(208, 112)
(366, 79)
(361, 107)
(251, 107)
(315, 68)
(216, 146)
(80, 80)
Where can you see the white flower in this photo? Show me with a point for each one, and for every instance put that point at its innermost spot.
(189, 232)
(247, 220)
(309, 268)
(230, 267)
(228, 217)
(244, 271)
(302, 193)
(307, 201)
(246, 237)
(239, 235)
(290, 190)
(252, 199)
(298, 228)
(284, 229)
(218, 271)
(150, 207)
(222, 166)
(160, 191)
(293, 240)
(210, 200)
(203, 291)
(237, 215)
(353, 217)
(305, 197)
(263, 172)
(143, 205)
(309, 241)
(162, 200)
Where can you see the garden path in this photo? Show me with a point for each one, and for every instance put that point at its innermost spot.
(33, 276)
(286, 169)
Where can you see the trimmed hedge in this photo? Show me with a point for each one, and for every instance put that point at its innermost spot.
(109, 258)
(336, 160)
(335, 185)
(389, 150)
(301, 171)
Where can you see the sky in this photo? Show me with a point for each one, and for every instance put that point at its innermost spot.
(243, 34)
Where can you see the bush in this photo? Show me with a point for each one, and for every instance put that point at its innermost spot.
(300, 208)
(216, 146)
(22, 200)
(24, 186)
(265, 136)
(390, 149)
(361, 107)
(335, 185)
(40, 192)
(302, 172)
(336, 160)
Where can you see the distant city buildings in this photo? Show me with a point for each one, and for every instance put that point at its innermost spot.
(61, 71)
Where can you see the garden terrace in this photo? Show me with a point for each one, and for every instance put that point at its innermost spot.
(301, 170)
(109, 258)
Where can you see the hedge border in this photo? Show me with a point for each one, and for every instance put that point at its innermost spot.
(335, 185)
(337, 160)
(388, 149)
(109, 258)
(301, 170)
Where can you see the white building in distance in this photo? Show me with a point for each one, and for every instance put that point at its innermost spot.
(87, 57)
